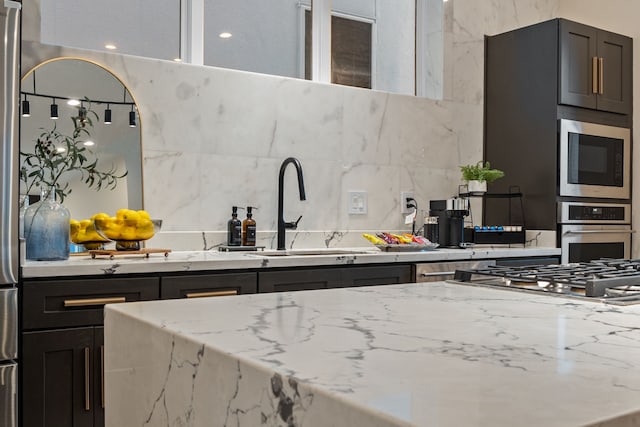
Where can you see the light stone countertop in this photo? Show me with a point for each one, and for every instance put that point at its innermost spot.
(435, 354)
(214, 260)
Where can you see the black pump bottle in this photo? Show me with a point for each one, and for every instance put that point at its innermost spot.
(234, 229)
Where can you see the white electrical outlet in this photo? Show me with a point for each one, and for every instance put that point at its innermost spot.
(357, 202)
(404, 196)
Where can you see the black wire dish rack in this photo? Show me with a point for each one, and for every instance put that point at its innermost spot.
(513, 232)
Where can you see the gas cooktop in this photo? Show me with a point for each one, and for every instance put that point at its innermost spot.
(613, 281)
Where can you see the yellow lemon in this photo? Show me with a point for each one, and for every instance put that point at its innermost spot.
(116, 224)
(120, 213)
(92, 235)
(106, 227)
(128, 233)
(100, 215)
(113, 233)
(143, 222)
(144, 229)
(130, 216)
(143, 214)
(74, 227)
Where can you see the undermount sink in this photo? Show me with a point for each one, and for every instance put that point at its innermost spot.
(308, 252)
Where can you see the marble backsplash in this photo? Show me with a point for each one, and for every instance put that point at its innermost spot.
(214, 138)
(212, 240)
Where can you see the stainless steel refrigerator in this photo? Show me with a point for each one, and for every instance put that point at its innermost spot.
(10, 21)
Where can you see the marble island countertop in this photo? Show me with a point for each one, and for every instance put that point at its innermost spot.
(213, 260)
(435, 354)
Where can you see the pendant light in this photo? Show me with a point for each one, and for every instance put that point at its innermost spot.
(82, 114)
(107, 115)
(54, 110)
(26, 110)
(132, 117)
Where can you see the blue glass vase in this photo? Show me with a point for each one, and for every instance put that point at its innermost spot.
(46, 228)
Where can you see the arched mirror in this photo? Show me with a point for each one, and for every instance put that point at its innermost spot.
(48, 88)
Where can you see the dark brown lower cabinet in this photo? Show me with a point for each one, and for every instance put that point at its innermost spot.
(63, 346)
(61, 378)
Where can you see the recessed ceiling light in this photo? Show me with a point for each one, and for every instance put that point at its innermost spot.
(61, 149)
(89, 143)
(73, 102)
(224, 35)
(177, 59)
(110, 46)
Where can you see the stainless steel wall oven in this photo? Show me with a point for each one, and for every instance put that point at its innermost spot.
(589, 231)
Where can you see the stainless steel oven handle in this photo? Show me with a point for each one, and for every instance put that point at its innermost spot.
(599, 232)
(437, 273)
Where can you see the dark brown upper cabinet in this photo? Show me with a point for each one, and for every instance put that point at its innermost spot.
(595, 68)
(535, 76)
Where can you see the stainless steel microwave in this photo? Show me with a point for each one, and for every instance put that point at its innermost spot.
(595, 160)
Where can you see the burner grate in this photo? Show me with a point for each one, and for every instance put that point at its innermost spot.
(595, 276)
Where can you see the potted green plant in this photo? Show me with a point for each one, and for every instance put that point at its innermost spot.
(55, 155)
(478, 175)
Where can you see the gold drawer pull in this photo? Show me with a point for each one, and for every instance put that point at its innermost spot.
(102, 374)
(594, 74)
(87, 302)
(601, 75)
(211, 294)
(87, 385)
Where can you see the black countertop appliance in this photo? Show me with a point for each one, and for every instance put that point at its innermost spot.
(451, 214)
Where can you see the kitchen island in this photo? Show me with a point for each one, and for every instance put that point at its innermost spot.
(401, 355)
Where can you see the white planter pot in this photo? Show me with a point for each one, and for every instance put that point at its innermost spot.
(477, 187)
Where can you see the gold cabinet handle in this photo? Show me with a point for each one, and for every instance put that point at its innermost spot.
(102, 374)
(87, 302)
(594, 74)
(211, 294)
(87, 372)
(601, 75)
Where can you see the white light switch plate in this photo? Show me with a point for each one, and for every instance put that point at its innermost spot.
(357, 202)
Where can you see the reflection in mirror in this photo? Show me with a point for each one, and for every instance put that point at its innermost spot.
(116, 144)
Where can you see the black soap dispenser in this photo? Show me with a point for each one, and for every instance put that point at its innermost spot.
(249, 229)
(234, 229)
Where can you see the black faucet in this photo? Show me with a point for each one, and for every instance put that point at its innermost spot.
(282, 224)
